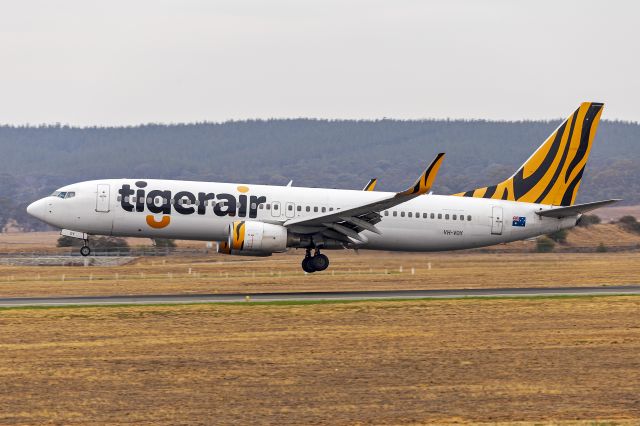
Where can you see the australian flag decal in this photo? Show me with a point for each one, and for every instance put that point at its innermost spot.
(519, 221)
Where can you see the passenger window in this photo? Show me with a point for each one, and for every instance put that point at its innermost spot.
(417, 215)
(268, 207)
(395, 214)
(424, 215)
(433, 216)
(446, 216)
(324, 209)
(299, 208)
(402, 214)
(386, 213)
(315, 209)
(308, 208)
(275, 207)
(439, 215)
(410, 214)
(260, 206)
(455, 217)
(290, 207)
(119, 198)
(330, 209)
(469, 218)
(461, 217)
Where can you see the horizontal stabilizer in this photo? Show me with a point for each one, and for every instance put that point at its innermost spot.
(561, 212)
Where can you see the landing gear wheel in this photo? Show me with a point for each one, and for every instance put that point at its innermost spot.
(85, 251)
(307, 265)
(320, 262)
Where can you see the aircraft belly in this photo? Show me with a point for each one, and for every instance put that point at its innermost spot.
(193, 227)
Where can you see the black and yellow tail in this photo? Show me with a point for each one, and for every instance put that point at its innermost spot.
(553, 173)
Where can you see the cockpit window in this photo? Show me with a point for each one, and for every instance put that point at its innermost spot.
(55, 193)
(62, 194)
(70, 195)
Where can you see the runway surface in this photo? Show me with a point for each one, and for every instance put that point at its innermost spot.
(311, 296)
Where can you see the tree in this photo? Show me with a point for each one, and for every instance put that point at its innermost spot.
(559, 236)
(544, 245)
(65, 241)
(164, 242)
(630, 224)
(588, 220)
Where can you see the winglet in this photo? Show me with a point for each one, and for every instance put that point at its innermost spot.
(426, 179)
(371, 185)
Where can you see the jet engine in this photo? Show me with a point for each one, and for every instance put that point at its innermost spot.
(252, 238)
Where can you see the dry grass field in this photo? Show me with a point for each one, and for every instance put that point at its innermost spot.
(503, 360)
(349, 271)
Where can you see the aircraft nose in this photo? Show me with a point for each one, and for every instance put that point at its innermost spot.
(37, 209)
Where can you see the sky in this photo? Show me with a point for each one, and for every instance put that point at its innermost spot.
(116, 62)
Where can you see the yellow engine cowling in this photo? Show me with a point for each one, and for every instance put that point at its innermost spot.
(252, 238)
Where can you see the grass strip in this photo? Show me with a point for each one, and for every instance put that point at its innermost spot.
(321, 302)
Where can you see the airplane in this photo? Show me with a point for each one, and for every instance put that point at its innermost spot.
(259, 220)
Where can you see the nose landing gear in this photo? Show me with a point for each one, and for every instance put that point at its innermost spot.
(317, 262)
(85, 250)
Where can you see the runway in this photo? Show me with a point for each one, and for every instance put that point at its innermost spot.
(317, 296)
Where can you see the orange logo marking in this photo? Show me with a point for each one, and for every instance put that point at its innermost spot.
(164, 222)
(243, 188)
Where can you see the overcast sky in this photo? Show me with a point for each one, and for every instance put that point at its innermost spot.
(137, 61)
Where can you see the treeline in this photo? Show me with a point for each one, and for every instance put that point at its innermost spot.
(334, 153)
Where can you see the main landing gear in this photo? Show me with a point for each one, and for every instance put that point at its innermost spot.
(317, 262)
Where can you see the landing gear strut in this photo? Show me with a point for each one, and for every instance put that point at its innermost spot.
(317, 262)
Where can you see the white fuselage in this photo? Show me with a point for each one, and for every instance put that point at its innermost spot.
(426, 223)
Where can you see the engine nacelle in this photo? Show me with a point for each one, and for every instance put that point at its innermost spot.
(252, 238)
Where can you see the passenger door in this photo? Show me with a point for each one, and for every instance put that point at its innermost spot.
(496, 220)
(102, 198)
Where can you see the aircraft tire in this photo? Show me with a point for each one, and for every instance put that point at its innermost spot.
(307, 265)
(85, 251)
(320, 262)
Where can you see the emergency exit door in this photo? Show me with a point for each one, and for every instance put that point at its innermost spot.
(102, 198)
(496, 220)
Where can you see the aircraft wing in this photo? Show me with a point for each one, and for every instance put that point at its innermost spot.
(575, 210)
(348, 223)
